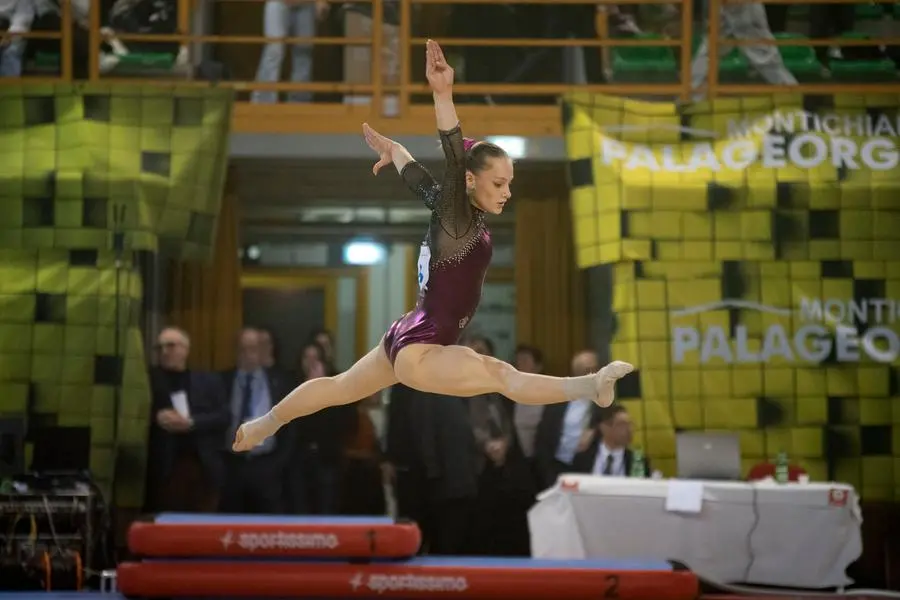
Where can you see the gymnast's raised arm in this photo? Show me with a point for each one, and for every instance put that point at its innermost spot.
(415, 175)
(453, 206)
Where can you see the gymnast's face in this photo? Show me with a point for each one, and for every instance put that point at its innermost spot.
(490, 186)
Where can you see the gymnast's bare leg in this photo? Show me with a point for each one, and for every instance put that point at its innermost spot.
(371, 374)
(451, 370)
(460, 371)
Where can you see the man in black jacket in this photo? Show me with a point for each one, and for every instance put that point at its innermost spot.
(610, 455)
(432, 450)
(189, 423)
(255, 479)
(565, 428)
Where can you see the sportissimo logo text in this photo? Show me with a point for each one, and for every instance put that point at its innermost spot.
(281, 540)
(780, 139)
(826, 327)
(409, 583)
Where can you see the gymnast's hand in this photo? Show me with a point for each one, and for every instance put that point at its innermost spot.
(380, 144)
(438, 72)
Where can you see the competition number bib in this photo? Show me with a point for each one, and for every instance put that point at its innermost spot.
(424, 263)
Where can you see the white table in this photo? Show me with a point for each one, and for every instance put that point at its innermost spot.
(794, 535)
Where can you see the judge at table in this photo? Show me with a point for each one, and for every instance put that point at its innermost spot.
(610, 456)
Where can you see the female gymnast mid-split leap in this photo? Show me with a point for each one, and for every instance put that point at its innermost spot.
(420, 349)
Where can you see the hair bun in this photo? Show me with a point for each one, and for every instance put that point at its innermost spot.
(469, 143)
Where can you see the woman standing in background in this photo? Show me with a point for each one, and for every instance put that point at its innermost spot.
(314, 472)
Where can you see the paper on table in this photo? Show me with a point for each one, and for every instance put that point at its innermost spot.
(180, 404)
(684, 496)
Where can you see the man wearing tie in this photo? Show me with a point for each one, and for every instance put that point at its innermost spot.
(610, 456)
(565, 428)
(254, 482)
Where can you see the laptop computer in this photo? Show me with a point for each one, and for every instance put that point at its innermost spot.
(711, 456)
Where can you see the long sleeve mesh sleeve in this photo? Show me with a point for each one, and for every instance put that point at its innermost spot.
(453, 207)
(421, 182)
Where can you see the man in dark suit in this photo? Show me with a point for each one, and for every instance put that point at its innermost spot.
(610, 455)
(255, 479)
(187, 433)
(403, 466)
(433, 462)
(565, 428)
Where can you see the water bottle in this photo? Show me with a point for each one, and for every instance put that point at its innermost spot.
(782, 473)
(637, 464)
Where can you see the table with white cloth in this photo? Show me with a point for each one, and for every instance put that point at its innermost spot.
(801, 535)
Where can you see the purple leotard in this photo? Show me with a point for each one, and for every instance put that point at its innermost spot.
(460, 247)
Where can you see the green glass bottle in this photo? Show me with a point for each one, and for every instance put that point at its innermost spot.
(782, 472)
(637, 464)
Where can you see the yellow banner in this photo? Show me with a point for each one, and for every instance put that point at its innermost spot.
(756, 253)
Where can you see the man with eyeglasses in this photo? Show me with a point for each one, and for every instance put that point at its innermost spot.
(611, 455)
(255, 479)
(188, 426)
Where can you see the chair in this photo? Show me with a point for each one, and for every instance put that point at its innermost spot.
(800, 59)
(868, 12)
(861, 64)
(767, 469)
(644, 64)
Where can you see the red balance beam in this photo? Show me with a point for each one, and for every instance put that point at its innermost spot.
(399, 580)
(213, 540)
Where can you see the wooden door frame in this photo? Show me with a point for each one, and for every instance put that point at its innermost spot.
(319, 278)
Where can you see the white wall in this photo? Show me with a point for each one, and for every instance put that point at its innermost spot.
(387, 292)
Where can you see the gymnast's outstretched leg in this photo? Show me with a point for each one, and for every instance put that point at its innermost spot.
(460, 371)
(372, 373)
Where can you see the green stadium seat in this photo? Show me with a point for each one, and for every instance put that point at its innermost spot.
(800, 59)
(655, 64)
(868, 12)
(733, 67)
(134, 63)
(46, 61)
(146, 61)
(858, 67)
(798, 12)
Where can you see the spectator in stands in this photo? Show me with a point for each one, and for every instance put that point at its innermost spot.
(254, 479)
(610, 455)
(314, 470)
(16, 16)
(325, 339)
(565, 428)
(505, 485)
(266, 349)
(362, 481)
(403, 467)
(188, 428)
(744, 20)
(526, 417)
(431, 447)
(288, 19)
(830, 20)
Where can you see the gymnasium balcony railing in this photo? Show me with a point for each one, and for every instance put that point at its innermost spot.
(648, 65)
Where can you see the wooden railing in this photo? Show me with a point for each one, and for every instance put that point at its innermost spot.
(410, 50)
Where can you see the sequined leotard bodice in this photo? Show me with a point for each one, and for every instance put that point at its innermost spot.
(454, 256)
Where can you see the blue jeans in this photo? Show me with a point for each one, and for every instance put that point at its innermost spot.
(281, 19)
(11, 58)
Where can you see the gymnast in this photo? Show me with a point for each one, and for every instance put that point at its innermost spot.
(420, 349)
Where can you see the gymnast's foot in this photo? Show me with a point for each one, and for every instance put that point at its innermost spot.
(253, 433)
(605, 380)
